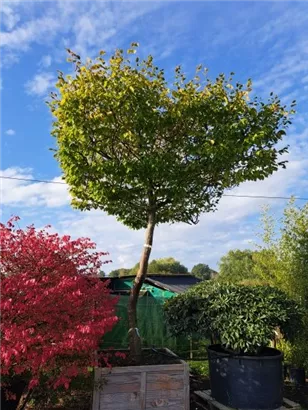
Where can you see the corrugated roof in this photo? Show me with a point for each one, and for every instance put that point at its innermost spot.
(174, 283)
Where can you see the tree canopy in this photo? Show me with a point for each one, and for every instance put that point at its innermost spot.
(237, 265)
(203, 271)
(119, 272)
(130, 143)
(163, 266)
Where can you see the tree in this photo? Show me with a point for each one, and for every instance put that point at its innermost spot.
(163, 266)
(237, 265)
(203, 271)
(149, 152)
(282, 261)
(54, 308)
(124, 272)
(119, 272)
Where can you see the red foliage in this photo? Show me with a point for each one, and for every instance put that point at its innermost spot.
(54, 307)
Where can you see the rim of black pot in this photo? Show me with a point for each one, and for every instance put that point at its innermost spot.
(277, 356)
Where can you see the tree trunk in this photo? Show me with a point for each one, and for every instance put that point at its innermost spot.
(25, 397)
(134, 336)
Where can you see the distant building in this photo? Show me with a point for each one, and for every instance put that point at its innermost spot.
(152, 328)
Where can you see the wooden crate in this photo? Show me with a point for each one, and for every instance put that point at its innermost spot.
(161, 387)
(213, 404)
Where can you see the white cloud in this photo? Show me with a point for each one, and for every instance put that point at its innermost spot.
(9, 18)
(18, 193)
(284, 78)
(36, 30)
(45, 61)
(10, 132)
(40, 84)
(83, 28)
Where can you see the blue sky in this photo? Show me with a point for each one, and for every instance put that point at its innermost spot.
(267, 41)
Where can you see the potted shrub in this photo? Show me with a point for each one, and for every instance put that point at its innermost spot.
(245, 373)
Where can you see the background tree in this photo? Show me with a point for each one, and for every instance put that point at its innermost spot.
(237, 265)
(163, 266)
(114, 273)
(119, 272)
(151, 152)
(282, 261)
(54, 308)
(124, 272)
(203, 271)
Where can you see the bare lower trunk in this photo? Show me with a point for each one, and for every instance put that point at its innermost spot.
(24, 399)
(134, 336)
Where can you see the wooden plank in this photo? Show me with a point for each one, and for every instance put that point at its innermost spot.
(291, 403)
(186, 387)
(158, 403)
(143, 390)
(165, 381)
(121, 388)
(178, 406)
(123, 378)
(121, 406)
(140, 369)
(206, 395)
(120, 397)
(172, 394)
(210, 399)
(96, 392)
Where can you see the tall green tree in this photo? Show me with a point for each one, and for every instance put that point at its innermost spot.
(282, 261)
(114, 273)
(163, 266)
(203, 271)
(150, 152)
(237, 266)
(119, 272)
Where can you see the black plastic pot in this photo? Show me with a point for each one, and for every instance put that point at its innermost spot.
(297, 376)
(246, 382)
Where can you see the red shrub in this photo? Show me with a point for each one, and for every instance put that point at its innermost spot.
(54, 308)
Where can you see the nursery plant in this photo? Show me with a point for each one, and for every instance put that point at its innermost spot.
(150, 150)
(54, 307)
(242, 318)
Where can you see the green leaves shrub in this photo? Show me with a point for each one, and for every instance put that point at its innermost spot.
(243, 318)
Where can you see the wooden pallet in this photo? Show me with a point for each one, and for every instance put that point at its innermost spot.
(213, 404)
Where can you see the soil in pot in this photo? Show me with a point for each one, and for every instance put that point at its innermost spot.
(246, 382)
(148, 357)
